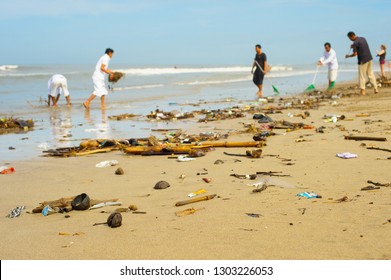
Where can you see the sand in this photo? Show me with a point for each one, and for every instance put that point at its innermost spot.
(288, 226)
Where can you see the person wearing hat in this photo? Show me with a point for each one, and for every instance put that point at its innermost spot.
(57, 84)
(382, 59)
(364, 57)
(260, 70)
(98, 79)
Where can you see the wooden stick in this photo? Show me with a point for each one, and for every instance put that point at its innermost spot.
(272, 173)
(197, 199)
(360, 138)
(379, 149)
(104, 150)
(138, 150)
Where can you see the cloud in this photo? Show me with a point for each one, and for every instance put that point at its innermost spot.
(17, 9)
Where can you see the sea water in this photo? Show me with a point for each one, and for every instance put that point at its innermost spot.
(23, 94)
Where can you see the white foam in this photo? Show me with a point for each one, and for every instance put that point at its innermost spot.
(213, 82)
(138, 87)
(8, 67)
(178, 70)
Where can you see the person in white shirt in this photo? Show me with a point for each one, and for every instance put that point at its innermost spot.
(98, 79)
(57, 84)
(330, 58)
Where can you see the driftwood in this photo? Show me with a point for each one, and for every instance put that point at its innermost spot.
(185, 148)
(379, 149)
(272, 173)
(360, 138)
(197, 199)
(65, 203)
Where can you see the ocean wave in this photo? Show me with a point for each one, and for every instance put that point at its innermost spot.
(213, 82)
(8, 67)
(139, 87)
(178, 70)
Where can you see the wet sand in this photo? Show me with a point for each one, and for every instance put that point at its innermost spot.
(288, 226)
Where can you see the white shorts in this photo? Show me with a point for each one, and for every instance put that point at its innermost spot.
(332, 76)
(57, 85)
(99, 87)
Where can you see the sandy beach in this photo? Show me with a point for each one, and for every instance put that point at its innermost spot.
(285, 226)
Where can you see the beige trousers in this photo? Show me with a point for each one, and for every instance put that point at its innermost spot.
(365, 71)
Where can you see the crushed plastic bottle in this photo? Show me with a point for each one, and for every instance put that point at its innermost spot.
(107, 163)
(6, 170)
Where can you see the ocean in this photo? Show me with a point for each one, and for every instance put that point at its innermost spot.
(23, 91)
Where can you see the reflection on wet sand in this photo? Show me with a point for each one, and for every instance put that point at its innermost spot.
(61, 125)
(101, 128)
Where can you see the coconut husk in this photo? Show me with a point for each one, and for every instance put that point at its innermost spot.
(115, 77)
(114, 220)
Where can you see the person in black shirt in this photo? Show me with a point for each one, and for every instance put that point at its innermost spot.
(364, 57)
(260, 70)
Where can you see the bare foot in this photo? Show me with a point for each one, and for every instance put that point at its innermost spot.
(376, 91)
(362, 92)
(86, 105)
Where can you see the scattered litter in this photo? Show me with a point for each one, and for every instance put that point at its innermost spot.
(16, 212)
(262, 118)
(161, 185)
(198, 192)
(302, 210)
(119, 171)
(346, 155)
(379, 149)
(207, 180)
(363, 115)
(106, 203)
(113, 221)
(219, 161)
(184, 158)
(67, 246)
(132, 207)
(197, 199)
(387, 222)
(139, 212)
(253, 215)
(81, 202)
(44, 146)
(182, 176)
(186, 212)
(379, 184)
(47, 210)
(272, 173)
(107, 163)
(6, 170)
(309, 195)
(367, 138)
(370, 188)
(245, 176)
(343, 199)
(271, 181)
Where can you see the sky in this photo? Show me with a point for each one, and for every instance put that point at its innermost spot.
(186, 32)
